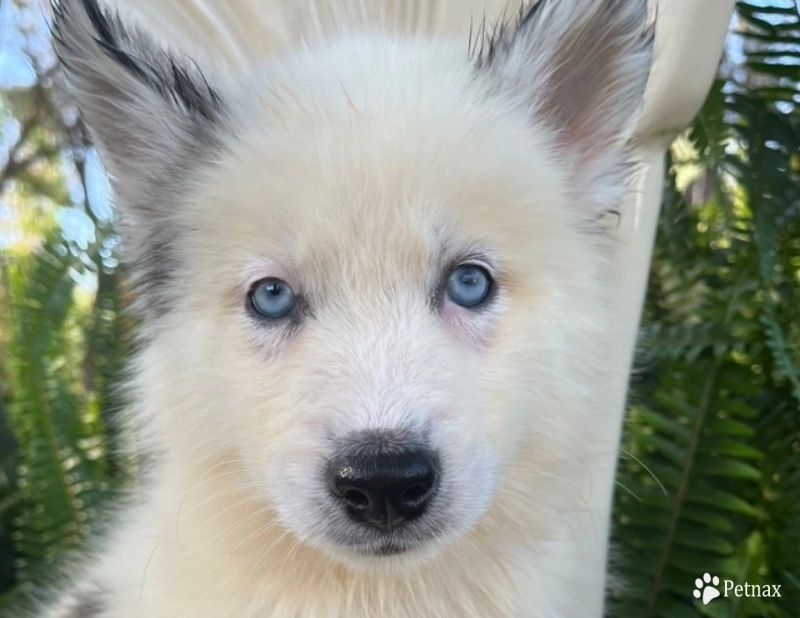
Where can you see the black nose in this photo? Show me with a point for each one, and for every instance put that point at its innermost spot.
(384, 488)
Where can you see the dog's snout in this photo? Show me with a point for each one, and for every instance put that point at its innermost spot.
(385, 488)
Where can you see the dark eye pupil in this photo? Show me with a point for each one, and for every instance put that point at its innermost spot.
(470, 278)
(469, 285)
(274, 288)
(273, 298)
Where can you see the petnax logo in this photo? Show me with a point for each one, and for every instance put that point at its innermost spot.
(707, 589)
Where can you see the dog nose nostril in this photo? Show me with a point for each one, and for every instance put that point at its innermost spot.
(415, 494)
(384, 488)
(356, 499)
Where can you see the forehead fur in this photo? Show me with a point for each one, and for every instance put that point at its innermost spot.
(398, 149)
(377, 141)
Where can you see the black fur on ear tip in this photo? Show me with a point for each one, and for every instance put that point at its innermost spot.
(106, 32)
(176, 79)
(107, 36)
(489, 41)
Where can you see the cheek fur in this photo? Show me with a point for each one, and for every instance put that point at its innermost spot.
(472, 326)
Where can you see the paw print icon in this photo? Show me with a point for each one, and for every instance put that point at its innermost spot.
(706, 588)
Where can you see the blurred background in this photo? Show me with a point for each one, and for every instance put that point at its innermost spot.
(709, 477)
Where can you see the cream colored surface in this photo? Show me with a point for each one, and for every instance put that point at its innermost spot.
(689, 44)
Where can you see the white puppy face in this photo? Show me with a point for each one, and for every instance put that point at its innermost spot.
(371, 268)
(372, 227)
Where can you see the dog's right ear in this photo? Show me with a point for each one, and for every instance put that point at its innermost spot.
(579, 68)
(152, 114)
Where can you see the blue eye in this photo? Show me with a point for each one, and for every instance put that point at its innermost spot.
(273, 298)
(469, 285)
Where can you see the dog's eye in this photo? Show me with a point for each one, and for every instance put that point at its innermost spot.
(469, 285)
(273, 298)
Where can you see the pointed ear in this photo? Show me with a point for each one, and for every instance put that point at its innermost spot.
(151, 113)
(580, 67)
(156, 122)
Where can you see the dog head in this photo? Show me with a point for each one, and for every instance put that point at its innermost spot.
(371, 271)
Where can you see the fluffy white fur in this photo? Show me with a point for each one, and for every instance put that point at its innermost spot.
(359, 169)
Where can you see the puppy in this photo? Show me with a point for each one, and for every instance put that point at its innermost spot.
(373, 276)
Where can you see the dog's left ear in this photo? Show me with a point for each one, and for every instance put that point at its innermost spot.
(152, 113)
(156, 121)
(579, 67)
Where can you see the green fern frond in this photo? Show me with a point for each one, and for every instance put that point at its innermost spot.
(58, 481)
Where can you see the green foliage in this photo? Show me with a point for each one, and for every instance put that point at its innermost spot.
(715, 404)
(61, 473)
(62, 335)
